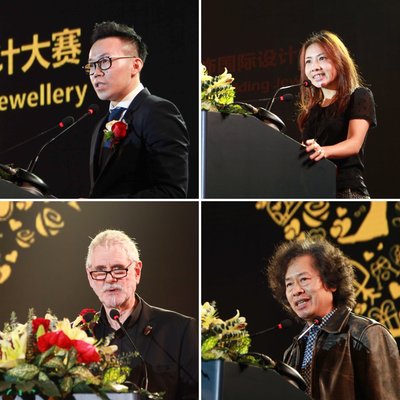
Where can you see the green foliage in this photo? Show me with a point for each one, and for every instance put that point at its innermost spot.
(222, 339)
(218, 94)
(57, 371)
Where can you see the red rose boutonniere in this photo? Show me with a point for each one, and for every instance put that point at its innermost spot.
(89, 319)
(115, 131)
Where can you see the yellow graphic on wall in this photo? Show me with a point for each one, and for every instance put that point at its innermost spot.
(43, 222)
(50, 51)
(65, 47)
(367, 232)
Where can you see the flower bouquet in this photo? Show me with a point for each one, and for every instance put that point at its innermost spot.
(222, 339)
(55, 358)
(228, 340)
(218, 94)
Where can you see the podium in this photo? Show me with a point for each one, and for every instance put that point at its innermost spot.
(87, 396)
(9, 190)
(222, 380)
(244, 158)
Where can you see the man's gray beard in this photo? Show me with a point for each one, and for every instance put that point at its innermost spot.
(113, 302)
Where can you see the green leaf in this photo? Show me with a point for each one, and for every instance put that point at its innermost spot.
(81, 387)
(48, 388)
(56, 366)
(66, 385)
(116, 374)
(83, 374)
(71, 357)
(209, 343)
(24, 372)
(25, 386)
(43, 377)
(42, 357)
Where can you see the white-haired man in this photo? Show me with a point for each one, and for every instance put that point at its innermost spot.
(166, 340)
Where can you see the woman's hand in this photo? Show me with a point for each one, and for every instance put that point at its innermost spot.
(317, 152)
(357, 131)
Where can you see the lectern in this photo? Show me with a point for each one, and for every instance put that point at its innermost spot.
(89, 396)
(222, 380)
(9, 190)
(244, 158)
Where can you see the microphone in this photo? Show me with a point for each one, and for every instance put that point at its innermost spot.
(306, 83)
(115, 315)
(264, 115)
(286, 323)
(283, 98)
(62, 124)
(316, 321)
(93, 108)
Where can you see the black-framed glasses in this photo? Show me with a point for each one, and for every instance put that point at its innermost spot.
(103, 63)
(118, 272)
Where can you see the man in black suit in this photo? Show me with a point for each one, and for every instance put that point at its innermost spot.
(166, 340)
(145, 154)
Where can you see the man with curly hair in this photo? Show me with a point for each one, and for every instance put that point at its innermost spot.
(342, 355)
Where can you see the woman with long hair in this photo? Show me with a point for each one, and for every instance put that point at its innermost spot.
(336, 111)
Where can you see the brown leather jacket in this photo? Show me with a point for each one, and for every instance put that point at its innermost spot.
(355, 358)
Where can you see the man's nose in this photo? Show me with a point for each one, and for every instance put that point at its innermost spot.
(110, 278)
(297, 289)
(97, 70)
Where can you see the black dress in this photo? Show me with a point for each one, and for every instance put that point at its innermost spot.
(328, 129)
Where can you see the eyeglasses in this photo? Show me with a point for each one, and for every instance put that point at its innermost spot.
(118, 272)
(103, 63)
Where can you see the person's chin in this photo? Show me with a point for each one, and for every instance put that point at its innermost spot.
(112, 300)
(318, 84)
(102, 95)
(306, 313)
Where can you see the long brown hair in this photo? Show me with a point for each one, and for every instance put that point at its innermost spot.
(347, 74)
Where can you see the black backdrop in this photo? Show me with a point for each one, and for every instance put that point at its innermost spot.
(238, 238)
(170, 30)
(43, 247)
(258, 41)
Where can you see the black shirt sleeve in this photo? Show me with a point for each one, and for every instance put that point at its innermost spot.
(363, 106)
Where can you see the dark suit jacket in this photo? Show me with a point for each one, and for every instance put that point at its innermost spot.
(151, 161)
(168, 343)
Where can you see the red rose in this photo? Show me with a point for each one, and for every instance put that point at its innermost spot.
(87, 310)
(40, 321)
(87, 353)
(49, 339)
(119, 129)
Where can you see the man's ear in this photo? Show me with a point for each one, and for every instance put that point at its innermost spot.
(138, 271)
(137, 65)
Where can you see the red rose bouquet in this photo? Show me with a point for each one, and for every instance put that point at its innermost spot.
(56, 358)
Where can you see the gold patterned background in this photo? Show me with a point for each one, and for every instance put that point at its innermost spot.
(368, 233)
(45, 222)
(43, 246)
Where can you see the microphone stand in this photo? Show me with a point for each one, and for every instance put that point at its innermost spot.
(114, 314)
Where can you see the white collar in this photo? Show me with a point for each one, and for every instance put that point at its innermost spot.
(127, 100)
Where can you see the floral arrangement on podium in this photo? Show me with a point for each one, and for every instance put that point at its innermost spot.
(228, 340)
(220, 339)
(218, 94)
(54, 358)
